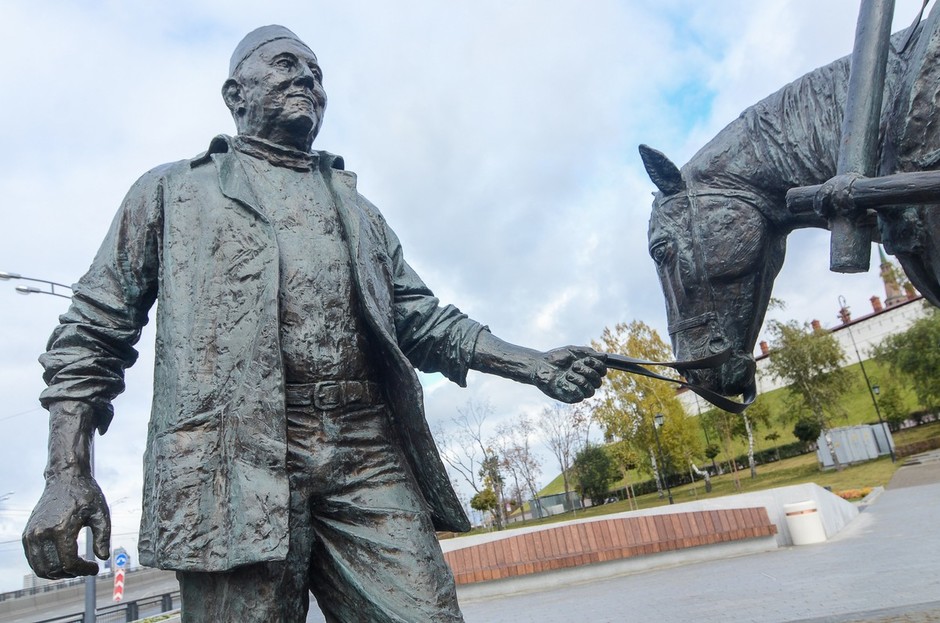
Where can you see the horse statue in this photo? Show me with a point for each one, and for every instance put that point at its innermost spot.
(719, 225)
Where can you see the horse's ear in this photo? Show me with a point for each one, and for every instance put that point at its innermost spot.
(662, 171)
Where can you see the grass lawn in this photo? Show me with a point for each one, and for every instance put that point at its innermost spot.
(858, 408)
(792, 471)
(924, 432)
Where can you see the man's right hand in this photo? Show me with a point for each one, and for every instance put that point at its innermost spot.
(68, 503)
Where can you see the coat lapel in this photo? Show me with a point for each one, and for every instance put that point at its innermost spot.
(343, 187)
(234, 184)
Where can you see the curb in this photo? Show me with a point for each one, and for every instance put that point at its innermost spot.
(870, 499)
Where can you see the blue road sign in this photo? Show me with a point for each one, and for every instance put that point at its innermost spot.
(120, 559)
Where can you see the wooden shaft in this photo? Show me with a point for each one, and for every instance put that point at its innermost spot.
(890, 191)
(850, 243)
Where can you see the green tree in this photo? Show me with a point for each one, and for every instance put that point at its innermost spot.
(712, 450)
(493, 481)
(724, 425)
(915, 354)
(595, 471)
(626, 459)
(486, 502)
(807, 430)
(773, 437)
(810, 363)
(627, 403)
(891, 403)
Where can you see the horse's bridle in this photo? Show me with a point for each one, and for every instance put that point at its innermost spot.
(710, 317)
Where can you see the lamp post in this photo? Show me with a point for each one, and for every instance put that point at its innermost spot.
(876, 391)
(27, 289)
(871, 390)
(91, 596)
(658, 421)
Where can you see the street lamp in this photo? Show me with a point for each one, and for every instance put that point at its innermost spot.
(658, 421)
(90, 584)
(876, 391)
(25, 290)
(868, 383)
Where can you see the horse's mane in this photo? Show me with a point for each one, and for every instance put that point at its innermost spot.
(788, 139)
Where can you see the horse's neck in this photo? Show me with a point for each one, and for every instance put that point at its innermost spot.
(788, 139)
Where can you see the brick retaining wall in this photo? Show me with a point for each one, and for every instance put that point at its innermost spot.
(603, 540)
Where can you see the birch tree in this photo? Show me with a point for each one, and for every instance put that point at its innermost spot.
(462, 444)
(513, 443)
(559, 423)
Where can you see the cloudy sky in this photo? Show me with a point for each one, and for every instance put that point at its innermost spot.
(498, 138)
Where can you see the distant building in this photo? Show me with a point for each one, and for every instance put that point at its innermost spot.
(31, 580)
(867, 331)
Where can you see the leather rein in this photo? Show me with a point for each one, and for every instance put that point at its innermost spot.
(637, 366)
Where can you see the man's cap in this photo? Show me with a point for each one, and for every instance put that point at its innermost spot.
(257, 38)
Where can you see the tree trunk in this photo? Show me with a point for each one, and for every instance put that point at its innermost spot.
(659, 480)
(832, 450)
(519, 501)
(501, 511)
(704, 474)
(535, 500)
(564, 478)
(750, 447)
(632, 495)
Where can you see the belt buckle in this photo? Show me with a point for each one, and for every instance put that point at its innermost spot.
(328, 395)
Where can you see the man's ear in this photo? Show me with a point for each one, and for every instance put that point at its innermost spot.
(232, 94)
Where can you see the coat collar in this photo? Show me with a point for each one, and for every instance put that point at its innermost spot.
(235, 183)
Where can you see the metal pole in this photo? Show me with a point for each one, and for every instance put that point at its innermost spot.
(662, 461)
(871, 392)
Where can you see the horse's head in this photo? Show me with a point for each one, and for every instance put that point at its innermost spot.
(717, 255)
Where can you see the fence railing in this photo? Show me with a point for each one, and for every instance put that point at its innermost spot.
(49, 587)
(124, 612)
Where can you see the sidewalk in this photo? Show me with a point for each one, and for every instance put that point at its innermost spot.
(884, 567)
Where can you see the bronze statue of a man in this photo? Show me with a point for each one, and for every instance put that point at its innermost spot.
(287, 448)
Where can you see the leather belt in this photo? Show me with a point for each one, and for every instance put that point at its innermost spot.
(328, 395)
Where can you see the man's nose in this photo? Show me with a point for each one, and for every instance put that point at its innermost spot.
(305, 77)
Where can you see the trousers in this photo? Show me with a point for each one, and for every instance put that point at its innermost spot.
(361, 538)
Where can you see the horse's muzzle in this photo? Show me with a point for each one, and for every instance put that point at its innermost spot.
(734, 377)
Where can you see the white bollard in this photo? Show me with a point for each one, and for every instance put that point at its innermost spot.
(804, 523)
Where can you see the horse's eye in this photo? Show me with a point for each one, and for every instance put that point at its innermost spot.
(659, 252)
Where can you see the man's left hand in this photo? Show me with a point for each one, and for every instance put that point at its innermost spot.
(570, 374)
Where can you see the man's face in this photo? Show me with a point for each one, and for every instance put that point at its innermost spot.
(282, 94)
